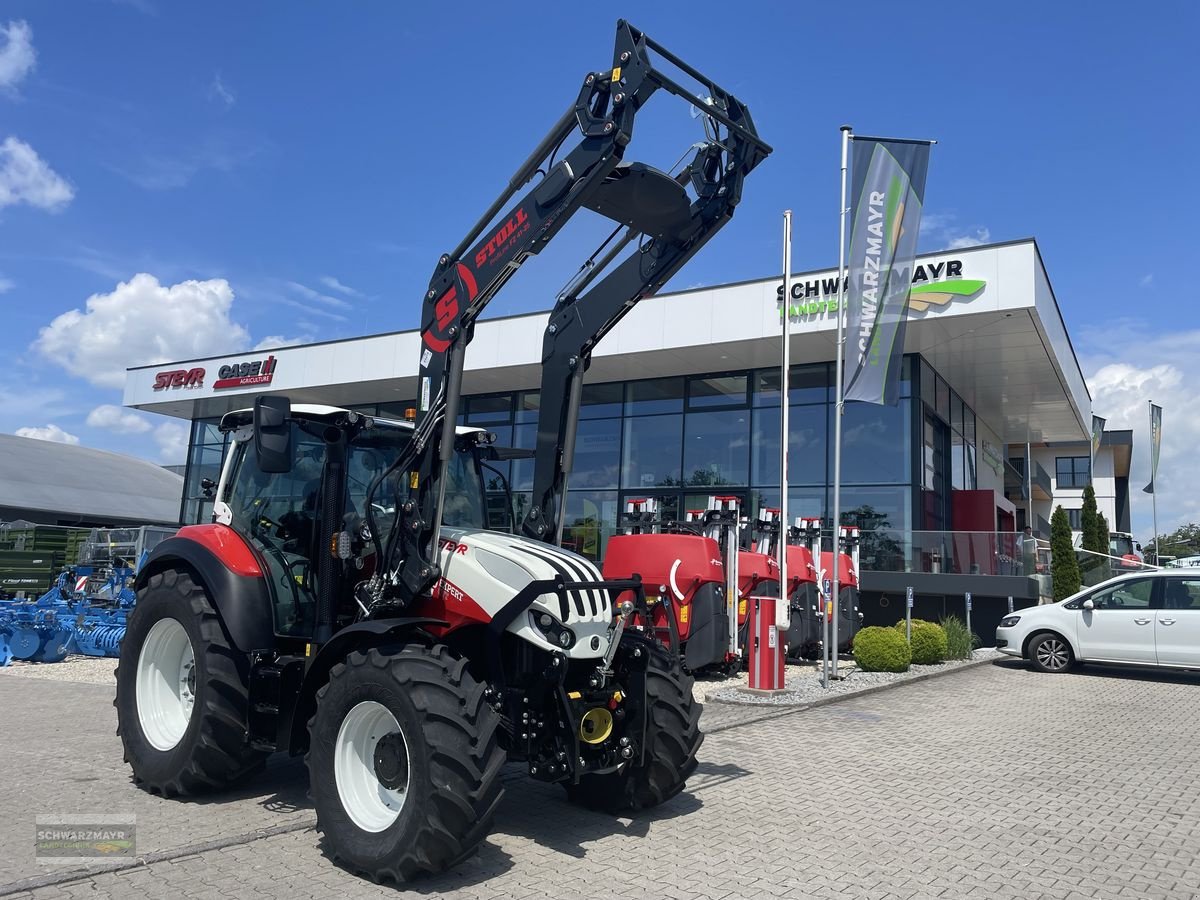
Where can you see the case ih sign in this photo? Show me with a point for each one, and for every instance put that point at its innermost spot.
(179, 378)
(246, 374)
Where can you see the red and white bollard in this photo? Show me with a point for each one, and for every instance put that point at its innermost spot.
(766, 646)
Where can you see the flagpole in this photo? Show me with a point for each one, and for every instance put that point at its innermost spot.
(837, 416)
(782, 611)
(1153, 486)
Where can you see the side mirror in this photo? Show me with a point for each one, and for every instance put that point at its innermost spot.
(1088, 604)
(273, 434)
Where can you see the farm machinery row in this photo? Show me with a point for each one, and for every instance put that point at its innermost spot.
(85, 609)
(704, 570)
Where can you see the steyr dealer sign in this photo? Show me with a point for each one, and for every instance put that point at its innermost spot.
(241, 374)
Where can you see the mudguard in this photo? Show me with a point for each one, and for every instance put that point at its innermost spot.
(230, 572)
(708, 641)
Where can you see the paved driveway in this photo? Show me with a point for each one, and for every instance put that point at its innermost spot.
(992, 782)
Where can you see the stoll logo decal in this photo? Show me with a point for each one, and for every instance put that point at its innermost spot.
(246, 374)
(819, 295)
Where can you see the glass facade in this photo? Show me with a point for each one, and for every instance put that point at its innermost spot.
(678, 439)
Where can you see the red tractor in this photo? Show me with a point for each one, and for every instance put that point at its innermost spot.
(349, 604)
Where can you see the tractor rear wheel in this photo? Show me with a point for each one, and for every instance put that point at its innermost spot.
(672, 738)
(404, 762)
(181, 692)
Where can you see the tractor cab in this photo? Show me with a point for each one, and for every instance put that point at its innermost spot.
(325, 451)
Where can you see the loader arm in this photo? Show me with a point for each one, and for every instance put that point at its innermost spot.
(507, 234)
(670, 231)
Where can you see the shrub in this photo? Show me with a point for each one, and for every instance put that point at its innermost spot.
(929, 643)
(879, 649)
(958, 640)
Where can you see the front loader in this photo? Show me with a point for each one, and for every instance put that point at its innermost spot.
(347, 602)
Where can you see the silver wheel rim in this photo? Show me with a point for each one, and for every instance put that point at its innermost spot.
(1053, 654)
(369, 804)
(166, 684)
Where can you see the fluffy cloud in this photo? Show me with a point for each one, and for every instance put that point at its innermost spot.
(1128, 366)
(333, 284)
(972, 238)
(172, 440)
(143, 322)
(6, 285)
(117, 420)
(17, 56)
(25, 178)
(48, 433)
(275, 341)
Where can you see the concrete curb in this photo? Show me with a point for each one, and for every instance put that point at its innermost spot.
(846, 695)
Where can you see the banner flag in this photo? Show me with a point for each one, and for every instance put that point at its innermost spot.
(1155, 444)
(888, 191)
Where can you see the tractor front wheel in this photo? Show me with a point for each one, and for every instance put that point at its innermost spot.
(672, 738)
(404, 762)
(181, 692)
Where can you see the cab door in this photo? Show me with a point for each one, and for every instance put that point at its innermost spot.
(1177, 624)
(1121, 627)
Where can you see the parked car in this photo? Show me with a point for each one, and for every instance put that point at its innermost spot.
(1142, 619)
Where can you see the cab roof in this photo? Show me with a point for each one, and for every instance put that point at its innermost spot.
(317, 412)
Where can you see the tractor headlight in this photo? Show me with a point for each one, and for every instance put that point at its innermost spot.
(553, 630)
(1009, 621)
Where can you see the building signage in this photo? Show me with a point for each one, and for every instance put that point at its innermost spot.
(246, 374)
(934, 283)
(179, 378)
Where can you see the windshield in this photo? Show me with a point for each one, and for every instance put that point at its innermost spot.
(281, 510)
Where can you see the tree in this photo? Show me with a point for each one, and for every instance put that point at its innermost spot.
(1104, 537)
(1092, 568)
(1064, 566)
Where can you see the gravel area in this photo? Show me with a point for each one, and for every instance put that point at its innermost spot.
(80, 669)
(802, 682)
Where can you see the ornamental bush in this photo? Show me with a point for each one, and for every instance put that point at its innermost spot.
(929, 643)
(879, 649)
(958, 639)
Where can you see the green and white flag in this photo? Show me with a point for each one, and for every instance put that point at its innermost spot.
(887, 193)
(1155, 444)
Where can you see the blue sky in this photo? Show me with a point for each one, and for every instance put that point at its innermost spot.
(318, 158)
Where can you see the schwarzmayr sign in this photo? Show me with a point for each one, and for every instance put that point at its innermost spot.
(934, 284)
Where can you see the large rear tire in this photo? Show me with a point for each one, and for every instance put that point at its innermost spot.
(672, 738)
(404, 762)
(181, 692)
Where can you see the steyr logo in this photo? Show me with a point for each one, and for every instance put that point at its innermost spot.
(179, 378)
(246, 374)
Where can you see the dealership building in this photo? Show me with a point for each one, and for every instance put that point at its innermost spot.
(682, 400)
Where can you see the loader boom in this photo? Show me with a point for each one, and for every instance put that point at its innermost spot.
(592, 174)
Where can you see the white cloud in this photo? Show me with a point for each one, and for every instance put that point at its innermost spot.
(219, 92)
(1129, 366)
(275, 341)
(117, 420)
(25, 178)
(309, 294)
(172, 440)
(334, 285)
(17, 56)
(1146, 280)
(48, 433)
(143, 322)
(6, 284)
(973, 238)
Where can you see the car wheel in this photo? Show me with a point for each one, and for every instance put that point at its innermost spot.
(1051, 653)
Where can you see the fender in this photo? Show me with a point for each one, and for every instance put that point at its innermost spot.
(230, 572)
(360, 636)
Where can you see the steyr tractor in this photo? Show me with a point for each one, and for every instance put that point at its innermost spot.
(347, 602)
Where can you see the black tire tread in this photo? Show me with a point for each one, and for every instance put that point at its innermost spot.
(465, 759)
(221, 755)
(670, 756)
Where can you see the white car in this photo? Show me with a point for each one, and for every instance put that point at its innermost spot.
(1142, 619)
